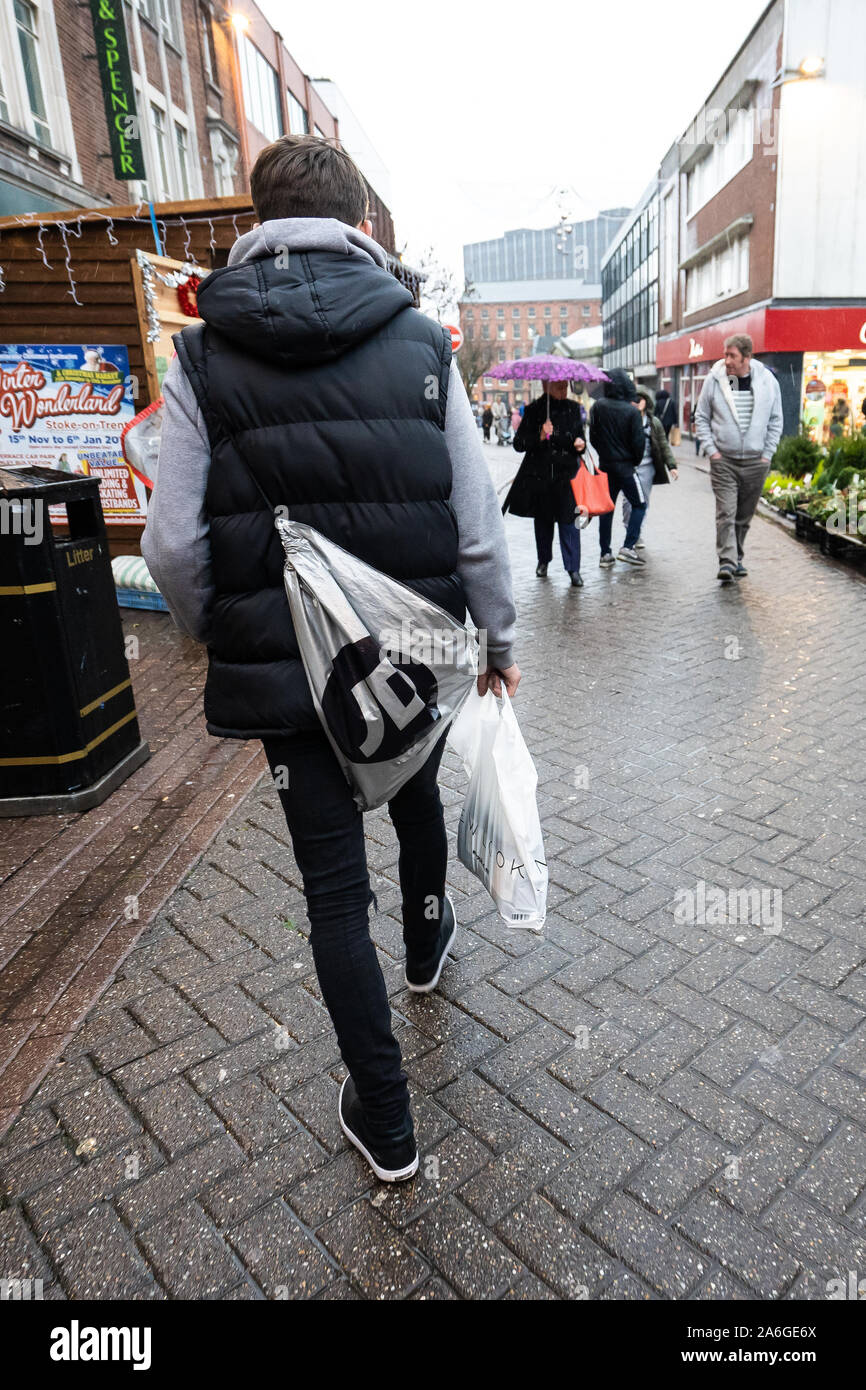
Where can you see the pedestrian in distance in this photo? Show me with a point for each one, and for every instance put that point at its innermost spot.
(617, 435)
(306, 386)
(551, 436)
(667, 410)
(515, 420)
(739, 425)
(486, 421)
(658, 464)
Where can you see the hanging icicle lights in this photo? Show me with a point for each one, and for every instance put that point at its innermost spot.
(67, 229)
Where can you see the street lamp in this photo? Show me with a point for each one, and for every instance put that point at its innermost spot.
(810, 68)
(237, 19)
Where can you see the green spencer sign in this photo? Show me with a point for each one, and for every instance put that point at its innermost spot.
(124, 131)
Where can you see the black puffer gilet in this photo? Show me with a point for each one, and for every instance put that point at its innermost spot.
(323, 390)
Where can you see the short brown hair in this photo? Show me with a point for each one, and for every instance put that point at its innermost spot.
(742, 342)
(303, 176)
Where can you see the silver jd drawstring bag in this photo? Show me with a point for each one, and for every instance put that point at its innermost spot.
(388, 670)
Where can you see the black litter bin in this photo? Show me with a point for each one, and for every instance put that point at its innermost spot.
(68, 728)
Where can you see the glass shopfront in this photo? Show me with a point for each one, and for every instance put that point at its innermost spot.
(833, 394)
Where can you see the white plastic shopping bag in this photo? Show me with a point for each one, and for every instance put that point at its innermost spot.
(499, 835)
(388, 670)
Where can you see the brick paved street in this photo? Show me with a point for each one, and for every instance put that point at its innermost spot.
(632, 1106)
(76, 890)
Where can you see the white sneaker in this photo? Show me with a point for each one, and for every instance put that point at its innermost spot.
(631, 557)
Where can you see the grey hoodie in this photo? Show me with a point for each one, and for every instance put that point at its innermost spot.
(176, 544)
(718, 428)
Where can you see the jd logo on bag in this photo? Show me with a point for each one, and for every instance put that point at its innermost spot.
(375, 707)
(382, 709)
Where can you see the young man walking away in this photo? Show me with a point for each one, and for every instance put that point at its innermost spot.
(313, 383)
(739, 424)
(616, 433)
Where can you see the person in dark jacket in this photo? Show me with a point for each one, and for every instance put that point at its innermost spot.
(306, 387)
(486, 422)
(658, 464)
(616, 434)
(667, 410)
(551, 435)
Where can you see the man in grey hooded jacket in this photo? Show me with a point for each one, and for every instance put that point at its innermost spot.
(312, 370)
(739, 424)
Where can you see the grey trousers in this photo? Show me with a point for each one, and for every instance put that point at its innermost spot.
(738, 484)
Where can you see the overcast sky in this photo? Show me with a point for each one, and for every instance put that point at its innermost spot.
(480, 111)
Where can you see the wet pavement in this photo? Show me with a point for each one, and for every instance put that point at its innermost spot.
(659, 1098)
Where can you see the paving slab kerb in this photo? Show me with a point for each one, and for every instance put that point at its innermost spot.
(657, 1099)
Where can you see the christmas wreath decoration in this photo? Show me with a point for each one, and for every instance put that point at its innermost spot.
(187, 297)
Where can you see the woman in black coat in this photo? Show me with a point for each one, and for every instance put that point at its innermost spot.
(551, 435)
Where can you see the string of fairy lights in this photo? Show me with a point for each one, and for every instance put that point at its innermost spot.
(149, 272)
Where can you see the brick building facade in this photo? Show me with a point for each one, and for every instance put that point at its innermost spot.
(211, 90)
(520, 317)
(759, 227)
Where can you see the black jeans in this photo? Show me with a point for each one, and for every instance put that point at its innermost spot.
(327, 833)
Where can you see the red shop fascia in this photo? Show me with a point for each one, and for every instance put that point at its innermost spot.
(781, 335)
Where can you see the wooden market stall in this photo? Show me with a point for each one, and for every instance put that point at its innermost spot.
(89, 300)
(112, 287)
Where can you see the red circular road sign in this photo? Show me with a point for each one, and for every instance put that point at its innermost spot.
(456, 337)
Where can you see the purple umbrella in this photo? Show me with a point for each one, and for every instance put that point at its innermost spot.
(546, 367)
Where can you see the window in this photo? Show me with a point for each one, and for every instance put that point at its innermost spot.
(180, 139)
(515, 330)
(485, 330)
(668, 290)
(485, 313)
(261, 91)
(224, 153)
(500, 313)
(208, 52)
(28, 40)
(470, 314)
(731, 150)
(720, 276)
(160, 13)
(298, 122)
(500, 333)
(515, 313)
(4, 109)
(531, 311)
(470, 333)
(586, 310)
(157, 117)
(547, 311)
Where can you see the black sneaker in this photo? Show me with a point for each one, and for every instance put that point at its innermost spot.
(576, 581)
(392, 1159)
(423, 976)
(741, 570)
(727, 574)
(541, 570)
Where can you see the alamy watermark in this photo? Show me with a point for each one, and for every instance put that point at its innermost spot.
(708, 906)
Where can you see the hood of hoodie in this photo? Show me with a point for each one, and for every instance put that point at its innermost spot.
(302, 290)
(620, 387)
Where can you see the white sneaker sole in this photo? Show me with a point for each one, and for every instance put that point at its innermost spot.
(627, 560)
(383, 1174)
(426, 989)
